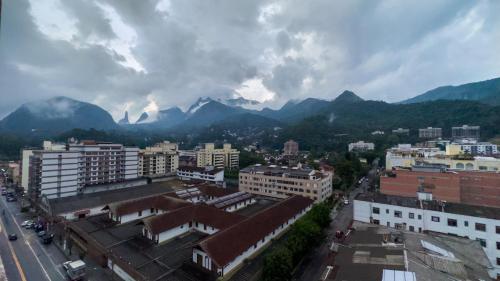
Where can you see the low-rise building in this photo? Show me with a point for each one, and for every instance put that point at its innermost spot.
(159, 160)
(361, 146)
(430, 133)
(375, 133)
(282, 182)
(209, 174)
(401, 131)
(465, 132)
(421, 214)
(472, 147)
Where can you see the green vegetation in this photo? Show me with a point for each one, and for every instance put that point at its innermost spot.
(305, 234)
(250, 158)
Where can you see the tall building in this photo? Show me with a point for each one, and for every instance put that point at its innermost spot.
(65, 171)
(361, 146)
(465, 132)
(430, 133)
(159, 160)
(282, 182)
(291, 147)
(219, 158)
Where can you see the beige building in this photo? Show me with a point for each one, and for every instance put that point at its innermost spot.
(282, 182)
(430, 133)
(159, 160)
(219, 158)
(291, 147)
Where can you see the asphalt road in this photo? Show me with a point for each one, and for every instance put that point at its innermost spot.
(315, 263)
(26, 259)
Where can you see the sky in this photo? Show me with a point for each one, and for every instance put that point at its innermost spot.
(150, 55)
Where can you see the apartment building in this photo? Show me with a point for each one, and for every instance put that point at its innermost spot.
(220, 158)
(469, 187)
(291, 147)
(430, 133)
(159, 160)
(208, 174)
(282, 182)
(465, 132)
(472, 147)
(422, 213)
(361, 146)
(61, 172)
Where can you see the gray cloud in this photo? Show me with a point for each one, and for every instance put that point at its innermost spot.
(127, 54)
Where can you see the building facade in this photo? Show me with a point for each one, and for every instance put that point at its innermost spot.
(409, 213)
(468, 187)
(465, 132)
(430, 133)
(66, 172)
(471, 147)
(361, 146)
(401, 131)
(220, 158)
(291, 147)
(208, 174)
(159, 160)
(282, 182)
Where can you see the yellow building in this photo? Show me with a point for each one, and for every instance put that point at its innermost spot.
(220, 158)
(159, 160)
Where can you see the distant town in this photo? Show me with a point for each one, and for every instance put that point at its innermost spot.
(163, 213)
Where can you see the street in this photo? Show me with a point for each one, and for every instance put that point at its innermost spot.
(316, 262)
(26, 258)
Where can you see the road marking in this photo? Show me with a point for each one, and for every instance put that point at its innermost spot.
(14, 256)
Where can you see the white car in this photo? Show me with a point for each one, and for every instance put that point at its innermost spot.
(27, 223)
(346, 201)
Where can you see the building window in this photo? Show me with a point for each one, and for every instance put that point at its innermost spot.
(398, 214)
(452, 222)
(412, 228)
(466, 223)
(498, 229)
(376, 210)
(386, 211)
(411, 215)
(498, 245)
(480, 226)
(498, 261)
(482, 242)
(152, 210)
(435, 219)
(140, 213)
(419, 217)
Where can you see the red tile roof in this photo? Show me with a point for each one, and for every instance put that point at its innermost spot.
(208, 215)
(161, 202)
(224, 246)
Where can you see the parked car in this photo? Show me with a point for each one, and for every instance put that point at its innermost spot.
(12, 237)
(4, 192)
(41, 233)
(75, 269)
(26, 223)
(37, 227)
(346, 201)
(47, 238)
(11, 199)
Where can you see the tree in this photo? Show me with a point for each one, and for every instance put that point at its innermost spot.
(278, 265)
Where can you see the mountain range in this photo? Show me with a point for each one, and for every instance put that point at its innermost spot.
(61, 114)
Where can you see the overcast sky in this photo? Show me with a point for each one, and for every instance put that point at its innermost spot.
(149, 55)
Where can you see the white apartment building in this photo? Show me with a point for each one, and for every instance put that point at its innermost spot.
(220, 158)
(159, 160)
(282, 182)
(473, 222)
(209, 174)
(361, 146)
(466, 132)
(401, 131)
(61, 172)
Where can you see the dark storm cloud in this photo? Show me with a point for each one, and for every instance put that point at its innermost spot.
(127, 54)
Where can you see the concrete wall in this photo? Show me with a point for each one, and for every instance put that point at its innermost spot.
(172, 233)
(135, 216)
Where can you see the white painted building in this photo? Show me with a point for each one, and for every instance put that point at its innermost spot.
(204, 174)
(61, 171)
(474, 222)
(361, 146)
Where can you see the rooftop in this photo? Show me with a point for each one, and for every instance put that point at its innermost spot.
(279, 171)
(434, 205)
(91, 200)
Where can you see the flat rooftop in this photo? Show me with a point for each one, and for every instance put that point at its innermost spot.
(125, 242)
(364, 256)
(434, 205)
(91, 200)
(278, 171)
